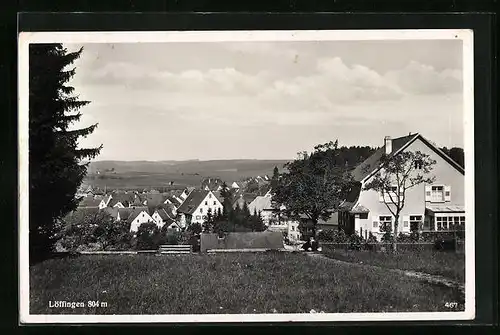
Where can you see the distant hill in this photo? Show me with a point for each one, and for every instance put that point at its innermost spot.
(134, 174)
(192, 166)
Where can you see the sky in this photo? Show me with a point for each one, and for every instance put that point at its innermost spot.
(265, 100)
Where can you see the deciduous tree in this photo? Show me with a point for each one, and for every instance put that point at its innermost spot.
(398, 174)
(313, 185)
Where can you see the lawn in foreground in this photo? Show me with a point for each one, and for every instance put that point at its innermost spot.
(225, 283)
(446, 264)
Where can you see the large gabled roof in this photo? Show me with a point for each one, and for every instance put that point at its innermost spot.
(192, 202)
(260, 203)
(89, 201)
(135, 212)
(373, 163)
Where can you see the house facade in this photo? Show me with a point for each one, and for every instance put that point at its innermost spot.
(138, 217)
(196, 206)
(435, 207)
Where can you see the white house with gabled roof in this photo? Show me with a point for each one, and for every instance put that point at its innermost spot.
(435, 207)
(196, 206)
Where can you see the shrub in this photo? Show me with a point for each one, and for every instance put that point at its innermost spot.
(148, 236)
(93, 231)
(326, 235)
(172, 238)
(355, 242)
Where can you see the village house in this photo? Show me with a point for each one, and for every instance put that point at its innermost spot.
(138, 216)
(121, 200)
(263, 204)
(436, 207)
(241, 199)
(293, 232)
(174, 201)
(104, 202)
(196, 206)
(166, 216)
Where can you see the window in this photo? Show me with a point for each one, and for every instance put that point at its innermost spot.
(437, 193)
(206, 203)
(405, 224)
(210, 196)
(391, 191)
(415, 222)
(215, 203)
(443, 222)
(418, 164)
(385, 221)
(142, 214)
(375, 224)
(293, 228)
(201, 210)
(198, 217)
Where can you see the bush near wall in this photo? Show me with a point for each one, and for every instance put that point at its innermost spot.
(442, 241)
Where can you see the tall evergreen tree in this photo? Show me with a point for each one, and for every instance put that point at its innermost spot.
(227, 203)
(56, 163)
(208, 224)
(275, 179)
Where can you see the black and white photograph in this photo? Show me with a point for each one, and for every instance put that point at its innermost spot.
(246, 176)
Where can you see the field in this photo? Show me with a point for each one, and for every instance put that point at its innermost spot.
(446, 264)
(122, 174)
(225, 283)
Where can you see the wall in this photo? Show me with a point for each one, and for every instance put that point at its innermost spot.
(415, 197)
(293, 230)
(256, 240)
(212, 203)
(158, 220)
(143, 217)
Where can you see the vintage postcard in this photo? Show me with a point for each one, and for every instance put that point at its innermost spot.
(246, 176)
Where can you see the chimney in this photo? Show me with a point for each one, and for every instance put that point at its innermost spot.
(388, 145)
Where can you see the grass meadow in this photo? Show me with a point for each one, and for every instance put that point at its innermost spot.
(447, 264)
(269, 282)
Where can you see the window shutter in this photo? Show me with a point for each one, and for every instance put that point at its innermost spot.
(375, 223)
(428, 190)
(447, 193)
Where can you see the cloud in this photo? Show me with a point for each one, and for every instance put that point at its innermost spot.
(417, 78)
(227, 96)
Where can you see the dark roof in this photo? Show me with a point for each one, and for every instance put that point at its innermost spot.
(155, 199)
(124, 198)
(82, 211)
(125, 213)
(89, 201)
(192, 202)
(135, 212)
(174, 201)
(352, 197)
(373, 162)
(165, 216)
(111, 211)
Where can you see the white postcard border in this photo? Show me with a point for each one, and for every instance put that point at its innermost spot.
(26, 38)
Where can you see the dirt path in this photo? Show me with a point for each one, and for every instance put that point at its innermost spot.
(433, 279)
